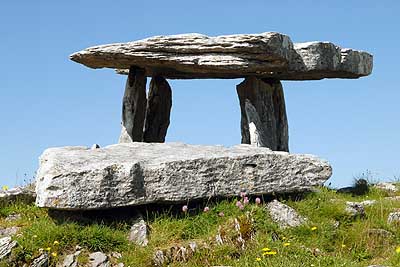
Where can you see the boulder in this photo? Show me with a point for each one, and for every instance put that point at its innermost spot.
(265, 55)
(284, 215)
(80, 178)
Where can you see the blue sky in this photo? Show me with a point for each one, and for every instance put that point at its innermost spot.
(47, 100)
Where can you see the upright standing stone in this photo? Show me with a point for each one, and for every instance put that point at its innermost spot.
(263, 113)
(158, 111)
(134, 106)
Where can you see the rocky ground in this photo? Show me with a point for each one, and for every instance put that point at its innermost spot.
(323, 228)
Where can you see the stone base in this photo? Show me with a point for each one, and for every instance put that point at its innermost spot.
(79, 178)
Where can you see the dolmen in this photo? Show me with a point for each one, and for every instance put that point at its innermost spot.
(143, 169)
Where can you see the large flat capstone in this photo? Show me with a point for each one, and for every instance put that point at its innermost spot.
(128, 174)
(265, 55)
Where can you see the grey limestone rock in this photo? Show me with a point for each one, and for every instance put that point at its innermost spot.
(41, 261)
(390, 187)
(20, 194)
(10, 231)
(284, 215)
(98, 259)
(355, 209)
(263, 113)
(6, 245)
(394, 217)
(79, 178)
(138, 233)
(264, 55)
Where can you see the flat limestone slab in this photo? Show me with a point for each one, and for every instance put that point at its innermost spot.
(80, 178)
(269, 54)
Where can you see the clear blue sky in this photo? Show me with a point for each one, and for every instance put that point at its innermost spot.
(47, 100)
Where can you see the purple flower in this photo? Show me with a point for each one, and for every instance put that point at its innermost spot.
(245, 200)
(185, 208)
(258, 201)
(238, 204)
(241, 207)
(242, 194)
(206, 209)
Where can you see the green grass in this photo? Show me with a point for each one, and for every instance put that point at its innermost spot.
(349, 244)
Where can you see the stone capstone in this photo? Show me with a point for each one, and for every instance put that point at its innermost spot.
(80, 178)
(284, 215)
(265, 55)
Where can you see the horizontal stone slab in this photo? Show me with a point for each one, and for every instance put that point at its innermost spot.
(265, 55)
(80, 178)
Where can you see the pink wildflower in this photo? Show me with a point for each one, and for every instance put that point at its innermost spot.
(242, 194)
(185, 208)
(221, 214)
(238, 204)
(206, 209)
(245, 200)
(258, 201)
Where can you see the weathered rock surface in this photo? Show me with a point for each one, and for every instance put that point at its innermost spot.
(141, 173)
(268, 54)
(394, 217)
(263, 113)
(21, 194)
(134, 107)
(355, 209)
(10, 231)
(158, 110)
(390, 187)
(284, 215)
(138, 233)
(41, 261)
(98, 259)
(6, 245)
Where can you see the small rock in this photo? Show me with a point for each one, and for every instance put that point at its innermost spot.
(386, 186)
(95, 146)
(355, 209)
(69, 261)
(6, 245)
(41, 261)
(138, 233)
(284, 215)
(394, 217)
(380, 233)
(120, 264)
(98, 259)
(116, 255)
(159, 259)
(10, 231)
(13, 217)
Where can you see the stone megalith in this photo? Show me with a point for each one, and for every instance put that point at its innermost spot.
(263, 113)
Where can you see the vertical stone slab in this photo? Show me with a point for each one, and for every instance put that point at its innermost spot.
(158, 111)
(263, 113)
(134, 106)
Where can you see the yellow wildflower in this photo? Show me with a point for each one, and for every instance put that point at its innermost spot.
(266, 249)
(343, 245)
(286, 244)
(34, 236)
(5, 187)
(56, 242)
(313, 228)
(398, 250)
(48, 248)
(269, 253)
(54, 254)
(258, 259)
(284, 238)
